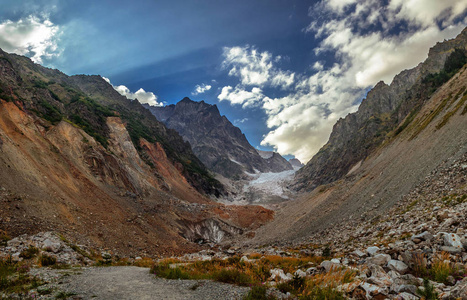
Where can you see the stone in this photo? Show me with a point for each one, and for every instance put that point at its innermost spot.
(245, 259)
(359, 253)
(311, 270)
(53, 246)
(328, 265)
(452, 250)
(398, 266)
(407, 288)
(279, 275)
(300, 273)
(336, 260)
(372, 290)
(453, 240)
(372, 250)
(460, 290)
(379, 276)
(424, 236)
(406, 296)
(379, 259)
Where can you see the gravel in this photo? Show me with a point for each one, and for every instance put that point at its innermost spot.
(138, 283)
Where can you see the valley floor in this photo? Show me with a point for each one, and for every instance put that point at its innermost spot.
(109, 283)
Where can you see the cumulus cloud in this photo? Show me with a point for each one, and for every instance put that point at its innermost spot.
(256, 68)
(31, 36)
(366, 49)
(141, 95)
(201, 88)
(239, 95)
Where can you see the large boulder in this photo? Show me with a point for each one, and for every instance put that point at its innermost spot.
(398, 266)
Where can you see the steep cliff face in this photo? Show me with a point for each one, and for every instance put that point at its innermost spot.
(79, 159)
(384, 109)
(87, 101)
(220, 145)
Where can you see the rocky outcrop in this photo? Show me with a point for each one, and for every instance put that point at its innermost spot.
(220, 145)
(80, 159)
(377, 119)
(296, 164)
(275, 162)
(87, 101)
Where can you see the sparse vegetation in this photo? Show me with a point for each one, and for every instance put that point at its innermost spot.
(14, 277)
(455, 61)
(4, 238)
(235, 271)
(29, 253)
(454, 199)
(47, 260)
(258, 292)
(428, 292)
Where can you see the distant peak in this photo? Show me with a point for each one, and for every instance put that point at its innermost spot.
(186, 99)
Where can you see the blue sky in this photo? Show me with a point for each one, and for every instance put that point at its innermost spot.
(283, 71)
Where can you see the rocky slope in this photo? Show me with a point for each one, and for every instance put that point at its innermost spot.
(220, 145)
(436, 138)
(356, 136)
(79, 158)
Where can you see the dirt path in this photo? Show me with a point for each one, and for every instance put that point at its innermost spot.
(136, 283)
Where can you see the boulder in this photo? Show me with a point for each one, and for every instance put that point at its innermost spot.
(327, 265)
(424, 236)
(379, 259)
(372, 290)
(452, 250)
(453, 240)
(406, 296)
(372, 250)
(358, 253)
(279, 275)
(300, 273)
(379, 277)
(460, 290)
(398, 266)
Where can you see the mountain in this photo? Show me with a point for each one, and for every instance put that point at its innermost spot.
(297, 164)
(220, 145)
(80, 159)
(385, 108)
(406, 146)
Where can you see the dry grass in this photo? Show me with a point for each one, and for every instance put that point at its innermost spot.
(257, 273)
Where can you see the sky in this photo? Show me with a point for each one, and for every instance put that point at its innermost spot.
(284, 71)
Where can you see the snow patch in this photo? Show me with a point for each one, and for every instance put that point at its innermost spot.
(269, 183)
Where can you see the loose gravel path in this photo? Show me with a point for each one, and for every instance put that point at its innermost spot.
(136, 283)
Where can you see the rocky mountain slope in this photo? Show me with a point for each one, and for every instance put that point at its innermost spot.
(385, 108)
(79, 158)
(220, 145)
(433, 137)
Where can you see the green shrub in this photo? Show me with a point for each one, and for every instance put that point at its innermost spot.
(323, 293)
(29, 252)
(428, 292)
(326, 252)
(4, 238)
(46, 260)
(232, 276)
(165, 271)
(258, 293)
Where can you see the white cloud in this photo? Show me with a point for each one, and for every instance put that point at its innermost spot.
(32, 36)
(141, 95)
(300, 122)
(240, 121)
(201, 88)
(256, 68)
(239, 95)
